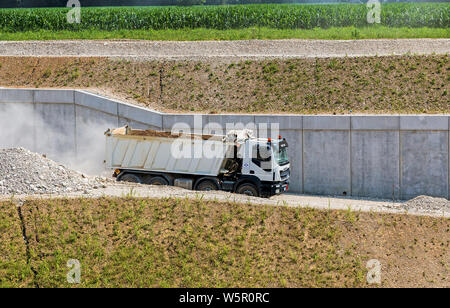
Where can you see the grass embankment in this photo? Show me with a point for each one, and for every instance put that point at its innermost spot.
(395, 84)
(15, 270)
(202, 34)
(193, 243)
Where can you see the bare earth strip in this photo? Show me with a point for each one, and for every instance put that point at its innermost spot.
(204, 50)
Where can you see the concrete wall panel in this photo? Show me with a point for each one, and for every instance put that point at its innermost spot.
(375, 164)
(233, 121)
(55, 129)
(375, 122)
(326, 162)
(326, 122)
(54, 96)
(432, 122)
(96, 102)
(90, 140)
(17, 125)
(16, 95)
(137, 114)
(424, 166)
(136, 125)
(89, 116)
(193, 121)
(284, 121)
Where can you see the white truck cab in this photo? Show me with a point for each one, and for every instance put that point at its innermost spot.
(268, 161)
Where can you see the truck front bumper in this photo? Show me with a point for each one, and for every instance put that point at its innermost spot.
(280, 188)
(277, 188)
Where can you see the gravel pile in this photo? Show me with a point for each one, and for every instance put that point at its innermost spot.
(24, 172)
(427, 204)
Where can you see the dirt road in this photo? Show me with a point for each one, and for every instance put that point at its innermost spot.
(204, 50)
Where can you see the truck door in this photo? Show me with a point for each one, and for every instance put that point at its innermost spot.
(261, 161)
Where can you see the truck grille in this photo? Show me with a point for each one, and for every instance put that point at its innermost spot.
(285, 174)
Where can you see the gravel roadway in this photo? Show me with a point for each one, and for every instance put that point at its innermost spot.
(204, 50)
(114, 189)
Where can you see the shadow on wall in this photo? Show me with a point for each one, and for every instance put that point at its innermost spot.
(22, 126)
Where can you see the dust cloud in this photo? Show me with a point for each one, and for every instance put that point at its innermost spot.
(79, 146)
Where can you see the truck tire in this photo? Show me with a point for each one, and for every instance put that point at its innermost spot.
(207, 185)
(248, 189)
(158, 180)
(130, 177)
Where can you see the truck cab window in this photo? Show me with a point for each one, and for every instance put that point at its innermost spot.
(281, 154)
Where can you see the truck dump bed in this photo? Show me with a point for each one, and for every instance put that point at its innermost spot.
(150, 150)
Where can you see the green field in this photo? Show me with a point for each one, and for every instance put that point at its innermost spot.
(412, 20)
(202, 34)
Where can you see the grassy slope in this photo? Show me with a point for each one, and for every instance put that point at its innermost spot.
(14, 270)
(193, 243)
(343, 33)
(396, 84)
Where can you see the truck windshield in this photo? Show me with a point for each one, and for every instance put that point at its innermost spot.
(280, 153)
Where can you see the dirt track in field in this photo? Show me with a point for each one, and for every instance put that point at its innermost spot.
(204, 50)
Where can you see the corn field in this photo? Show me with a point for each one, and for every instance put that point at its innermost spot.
(278, 16)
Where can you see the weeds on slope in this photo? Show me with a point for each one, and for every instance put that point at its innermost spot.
(394, 84)
(134, 242)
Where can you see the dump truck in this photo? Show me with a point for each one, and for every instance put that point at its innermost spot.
(236, 162)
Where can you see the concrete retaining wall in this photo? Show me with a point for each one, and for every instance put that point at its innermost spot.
(398, 156)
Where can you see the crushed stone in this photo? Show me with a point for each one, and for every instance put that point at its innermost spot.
(427, 204)
(25, 172)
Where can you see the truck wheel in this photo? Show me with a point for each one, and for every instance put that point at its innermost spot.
(129, 177)
(248, 189)
(207, 185)
(158, 180)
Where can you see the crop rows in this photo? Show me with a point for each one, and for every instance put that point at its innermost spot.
(226, 17)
